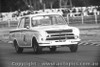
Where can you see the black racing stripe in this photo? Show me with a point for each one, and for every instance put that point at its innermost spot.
(22, 31)
(15, 31)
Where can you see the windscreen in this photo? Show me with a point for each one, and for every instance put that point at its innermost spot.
(48, 20)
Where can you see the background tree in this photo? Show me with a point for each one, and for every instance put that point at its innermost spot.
(12, 5)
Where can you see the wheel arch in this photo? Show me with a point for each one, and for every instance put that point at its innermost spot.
(33, 38)
(15, 40)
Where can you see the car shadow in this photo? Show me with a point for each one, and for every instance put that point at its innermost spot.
(45, 52)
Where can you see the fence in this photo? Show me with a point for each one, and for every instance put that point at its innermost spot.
(92, 19)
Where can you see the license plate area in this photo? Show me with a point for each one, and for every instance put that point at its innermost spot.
(60, 41)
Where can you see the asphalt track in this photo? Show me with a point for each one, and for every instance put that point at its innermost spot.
(86, 56)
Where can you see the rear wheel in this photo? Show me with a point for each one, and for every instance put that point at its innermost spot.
(36, 47)
(53, 49)
(73, 48)
(17, 48)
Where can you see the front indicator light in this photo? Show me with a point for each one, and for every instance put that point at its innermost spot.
(42, 39)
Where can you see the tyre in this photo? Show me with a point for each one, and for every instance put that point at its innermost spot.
(37, 49)
(53, 49)
(73, 48)
(17, 48)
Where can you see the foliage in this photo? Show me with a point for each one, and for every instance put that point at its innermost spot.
(12, 5)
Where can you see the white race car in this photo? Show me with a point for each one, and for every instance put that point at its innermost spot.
(38, 31)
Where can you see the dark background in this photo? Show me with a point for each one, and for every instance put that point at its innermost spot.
(12, 5)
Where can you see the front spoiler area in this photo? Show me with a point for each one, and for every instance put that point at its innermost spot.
(59, 42)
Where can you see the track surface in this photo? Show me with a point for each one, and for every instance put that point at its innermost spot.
(86, 56)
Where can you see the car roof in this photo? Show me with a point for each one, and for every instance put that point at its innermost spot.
(39, 14)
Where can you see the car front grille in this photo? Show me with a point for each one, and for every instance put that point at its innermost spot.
(60, 35)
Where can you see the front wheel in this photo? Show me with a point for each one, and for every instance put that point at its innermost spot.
(73, 48)
(17, 48)
(36, 47)
(53, 49)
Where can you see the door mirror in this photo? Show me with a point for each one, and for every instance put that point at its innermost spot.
(27, 27)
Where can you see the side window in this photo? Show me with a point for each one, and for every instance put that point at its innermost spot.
(21, 24)
(34, 23)
(27, 22)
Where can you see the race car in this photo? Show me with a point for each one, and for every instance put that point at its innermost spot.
(46, 30)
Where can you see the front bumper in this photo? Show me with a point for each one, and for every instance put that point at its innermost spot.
(59, 42)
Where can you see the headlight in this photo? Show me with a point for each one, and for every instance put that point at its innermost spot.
(43, 36)
(76, 32)
(48, 35)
